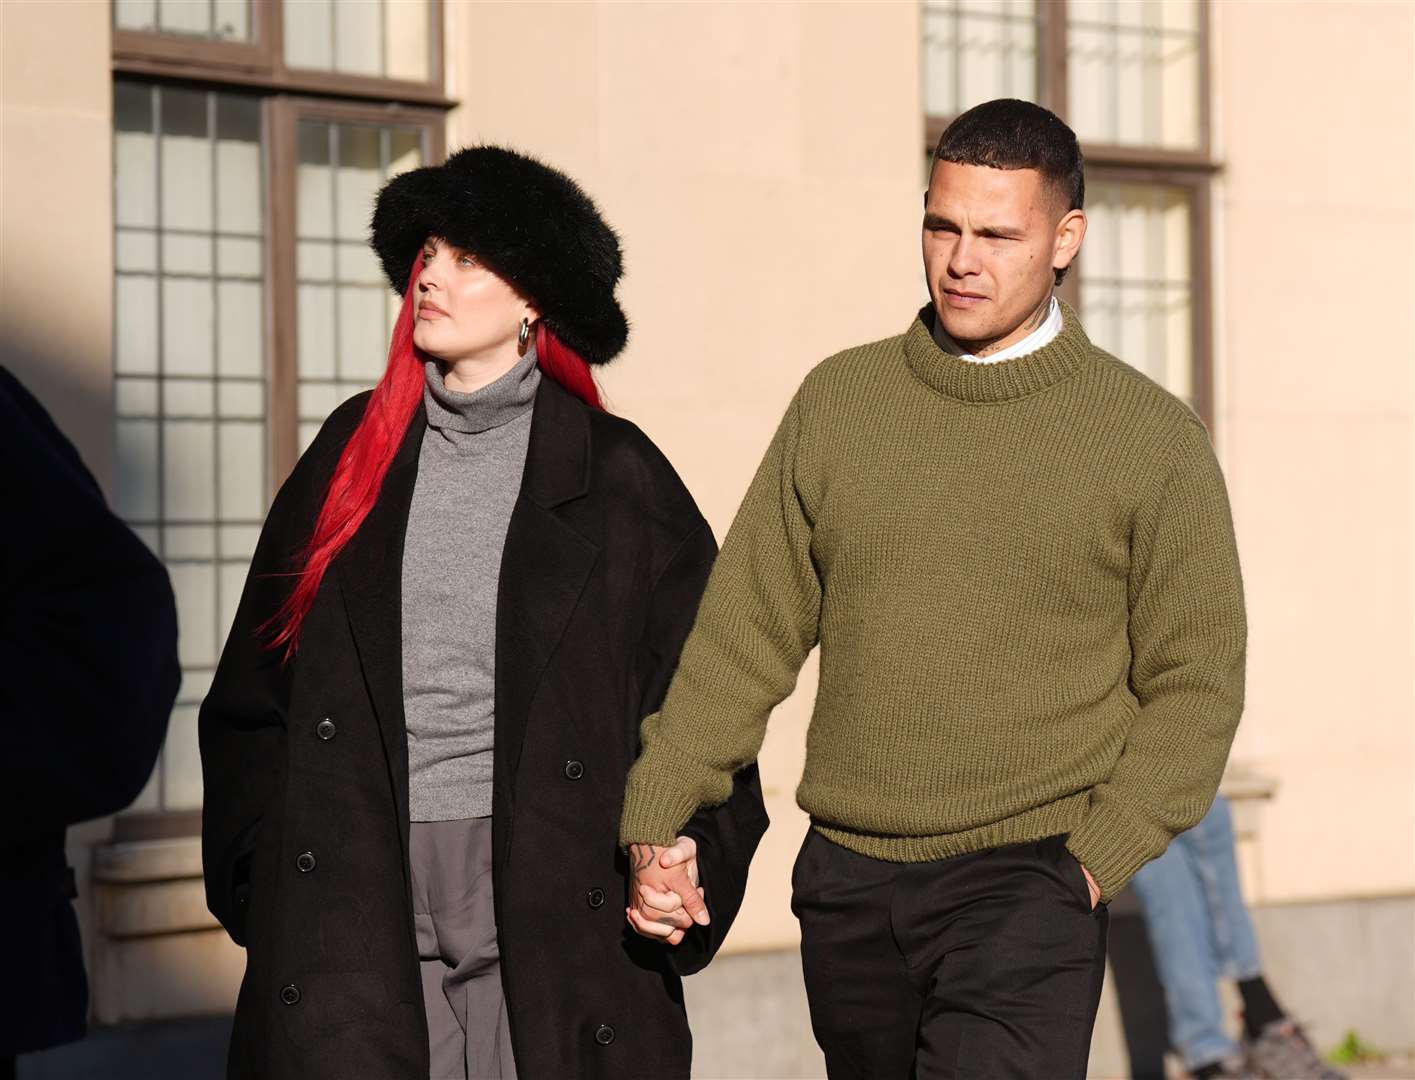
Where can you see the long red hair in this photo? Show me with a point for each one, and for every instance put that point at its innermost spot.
(358, 477)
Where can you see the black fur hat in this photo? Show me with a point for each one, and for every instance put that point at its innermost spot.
(530, 223)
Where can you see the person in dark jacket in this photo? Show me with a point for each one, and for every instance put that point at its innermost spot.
(467, 595)
(88, 674)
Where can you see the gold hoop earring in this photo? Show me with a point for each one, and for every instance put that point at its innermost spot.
(524, 335)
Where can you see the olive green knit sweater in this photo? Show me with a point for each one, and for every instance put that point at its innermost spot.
(1024, 583)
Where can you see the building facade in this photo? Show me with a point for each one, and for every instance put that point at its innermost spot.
(194, 180)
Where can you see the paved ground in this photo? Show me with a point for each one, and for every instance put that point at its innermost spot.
(195, 1050)
(1394, 1069)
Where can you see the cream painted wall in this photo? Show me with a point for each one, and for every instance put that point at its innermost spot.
(1315, 121)
(56, 215)
(761, 162)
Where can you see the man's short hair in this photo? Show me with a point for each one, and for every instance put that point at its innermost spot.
(1012, 134)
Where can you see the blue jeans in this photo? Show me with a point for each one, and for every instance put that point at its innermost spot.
(1199, 932)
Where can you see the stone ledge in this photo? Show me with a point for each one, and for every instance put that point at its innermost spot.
(142, 861)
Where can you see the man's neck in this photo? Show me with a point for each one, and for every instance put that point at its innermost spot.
(987, 349)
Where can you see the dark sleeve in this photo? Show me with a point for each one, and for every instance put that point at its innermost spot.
(727, 834)
(241, 726)
(88, 634)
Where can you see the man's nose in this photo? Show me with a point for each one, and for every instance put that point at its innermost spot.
(963, 259)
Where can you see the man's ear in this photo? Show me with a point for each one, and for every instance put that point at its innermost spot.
(1070, 231)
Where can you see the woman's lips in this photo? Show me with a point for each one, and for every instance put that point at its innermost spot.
(427, 311)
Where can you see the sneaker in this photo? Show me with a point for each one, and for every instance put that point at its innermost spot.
(1229, 1068)
(1282, 1052)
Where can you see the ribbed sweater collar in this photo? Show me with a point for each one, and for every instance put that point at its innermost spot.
(1007, 380)
(491, 406)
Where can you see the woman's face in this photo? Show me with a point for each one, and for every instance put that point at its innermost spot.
(464, 310)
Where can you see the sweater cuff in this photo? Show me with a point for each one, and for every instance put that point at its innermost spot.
(1113, 846)
(654, 813)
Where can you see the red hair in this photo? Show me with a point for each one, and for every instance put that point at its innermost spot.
(358, 477)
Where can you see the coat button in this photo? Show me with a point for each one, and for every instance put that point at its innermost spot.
(304, 862)
(604, 1034)
(595, 898)
(574, 770)
(290, 995)
(325, 729)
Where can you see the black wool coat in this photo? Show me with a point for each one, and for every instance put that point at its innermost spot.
(88, 674)
(305, 826)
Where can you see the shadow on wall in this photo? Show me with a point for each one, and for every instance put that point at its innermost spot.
(82, 408)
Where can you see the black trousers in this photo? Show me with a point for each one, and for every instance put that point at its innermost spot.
(987, 965)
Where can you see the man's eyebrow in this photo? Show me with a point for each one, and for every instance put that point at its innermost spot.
(939, 221)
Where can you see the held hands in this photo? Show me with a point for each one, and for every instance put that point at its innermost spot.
(665, 899)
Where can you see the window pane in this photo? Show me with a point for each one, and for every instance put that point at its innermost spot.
(184, 156)
(309, 34)
(232, 20)
(376, 38)
(1136, 276)
(405, 30)
(358, 38)
(135, 14)
(343, 322)
(1133, 72)
(214, 20)
(359, 176)
(977, 50)
(134, 155)
(238, 166)
(182, 758)
(190, 364)
(184, 17)
(135, 324)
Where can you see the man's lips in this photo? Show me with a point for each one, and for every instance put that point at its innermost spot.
(959, 299)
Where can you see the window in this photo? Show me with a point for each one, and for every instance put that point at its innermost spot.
(1131, 80)
(345, 307)
(1133, 72)
(247, 303)
(216, 20)
(977, 50)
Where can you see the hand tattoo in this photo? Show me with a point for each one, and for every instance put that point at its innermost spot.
(642, 856)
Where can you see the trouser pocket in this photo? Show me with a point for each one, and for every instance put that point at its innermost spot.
(1070, 870)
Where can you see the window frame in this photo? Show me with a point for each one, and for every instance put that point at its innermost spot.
(1191, 170)
(261, 61)
(287, 96)
(283, 118)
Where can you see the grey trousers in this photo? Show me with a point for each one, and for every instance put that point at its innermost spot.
(468, 1032)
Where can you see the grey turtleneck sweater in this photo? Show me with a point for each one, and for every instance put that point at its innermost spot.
(469, 474)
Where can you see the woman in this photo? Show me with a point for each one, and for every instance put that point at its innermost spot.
(470, 590)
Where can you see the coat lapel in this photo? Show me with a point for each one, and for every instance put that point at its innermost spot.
(370, 573)
(544, 566)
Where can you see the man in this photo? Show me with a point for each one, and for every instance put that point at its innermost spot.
(88, 674)
(1200, 931)
(1017, 555)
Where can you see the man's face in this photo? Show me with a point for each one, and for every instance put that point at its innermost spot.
(992, 238)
